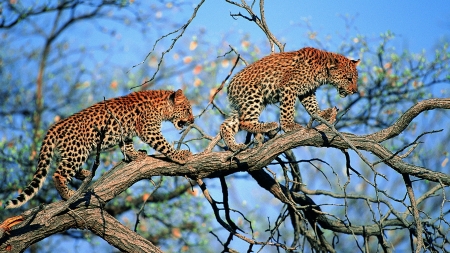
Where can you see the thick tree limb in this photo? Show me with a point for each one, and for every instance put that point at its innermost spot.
(407, 117)
(87, 212)
(82, 217)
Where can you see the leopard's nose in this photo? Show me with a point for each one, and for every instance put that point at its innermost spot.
(353, 88)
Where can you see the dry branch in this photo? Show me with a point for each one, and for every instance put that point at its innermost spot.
(87, 212)
(260, 21)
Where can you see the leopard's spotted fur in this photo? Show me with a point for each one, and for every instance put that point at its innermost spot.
(284, 77)
(120, 119)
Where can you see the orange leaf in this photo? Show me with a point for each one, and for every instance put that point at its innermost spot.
(197, 82)
(113, 84)
(187, 59)
(176, 232)
(193, 45)
(145, 196)
(225, 63)
(193, 193)
(197, 69)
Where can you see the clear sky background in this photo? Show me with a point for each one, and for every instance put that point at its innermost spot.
(417, 24)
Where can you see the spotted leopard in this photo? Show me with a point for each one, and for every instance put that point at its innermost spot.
(120, 119)
(284, 77)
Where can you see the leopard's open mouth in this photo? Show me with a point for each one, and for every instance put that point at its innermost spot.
(342, 93)
(181, 123)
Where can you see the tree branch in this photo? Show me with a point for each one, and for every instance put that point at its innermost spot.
(401, 123)
(87, 212)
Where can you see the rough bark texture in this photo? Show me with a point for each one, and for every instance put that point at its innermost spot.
(87, 211)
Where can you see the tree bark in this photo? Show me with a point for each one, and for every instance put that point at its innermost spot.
(87, 212)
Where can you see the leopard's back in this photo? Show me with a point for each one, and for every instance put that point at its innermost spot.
(303, 71)
(113, 121)
(284, 77)
(260, 80)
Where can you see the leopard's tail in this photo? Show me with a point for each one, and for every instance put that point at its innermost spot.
(45, 158)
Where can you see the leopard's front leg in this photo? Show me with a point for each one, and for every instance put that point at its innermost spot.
(150, 133)
(312, 107)
(129, 152)
(287, 104)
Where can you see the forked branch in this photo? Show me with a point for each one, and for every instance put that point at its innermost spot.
(259, 21)
(86, 212)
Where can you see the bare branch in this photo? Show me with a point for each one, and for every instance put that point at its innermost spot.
(415, 210)
(260, 21)
(181, 31)
(211, 100)
(407, 117)
(89, 203)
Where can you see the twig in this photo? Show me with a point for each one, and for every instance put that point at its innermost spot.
(325, 122)
(145, 201)
(413, 144)
(182, 29)
(228, 227)
(226, 206)
(404, 120)
(419, 228)
(261, 22)
(221, 85)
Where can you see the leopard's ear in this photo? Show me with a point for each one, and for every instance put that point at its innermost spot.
(332, 62)
(176, 97)
(171, 99)
(356, 62)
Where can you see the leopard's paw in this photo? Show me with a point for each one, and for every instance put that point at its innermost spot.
(181, 156)
(329, 114)
(270, 126)
(291, 127)
(256, 127)
(135, 155)
(236, 147)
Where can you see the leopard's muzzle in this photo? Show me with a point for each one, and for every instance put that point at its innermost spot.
(181, 123)
(345, 92)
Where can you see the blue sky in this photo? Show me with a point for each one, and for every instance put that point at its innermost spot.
(418, 24)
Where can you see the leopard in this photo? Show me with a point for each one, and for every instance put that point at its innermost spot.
(103, 126)
(282, 78)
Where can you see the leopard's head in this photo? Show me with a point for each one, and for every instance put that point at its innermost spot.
(182, 110)
(342, 74)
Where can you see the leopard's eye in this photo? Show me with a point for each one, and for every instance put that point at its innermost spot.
(349, 79)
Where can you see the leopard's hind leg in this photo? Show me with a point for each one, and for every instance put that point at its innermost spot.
(228, 129)
(82, 174)
(249, 114)
(69, 167)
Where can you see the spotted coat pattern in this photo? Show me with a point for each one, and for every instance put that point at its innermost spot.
(284, 77)
(120, 119)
